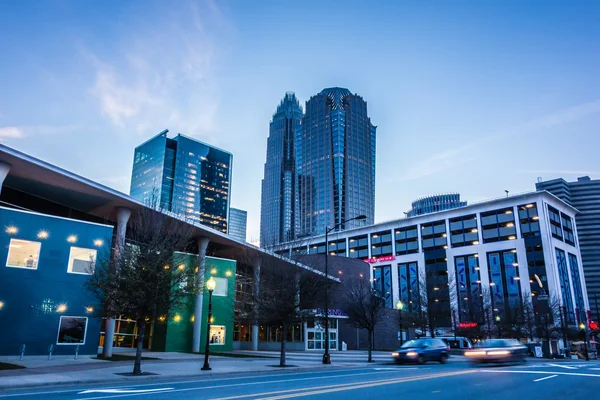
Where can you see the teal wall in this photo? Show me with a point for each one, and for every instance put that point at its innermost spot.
(31, 298)
(178, 330)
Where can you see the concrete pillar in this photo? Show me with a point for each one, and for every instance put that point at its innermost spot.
(123, 215)
(256, 294)
(4, 168)
(202, 245)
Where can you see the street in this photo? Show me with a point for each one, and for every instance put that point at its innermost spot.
(573, 380)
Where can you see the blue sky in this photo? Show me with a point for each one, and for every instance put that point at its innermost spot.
(468, 96)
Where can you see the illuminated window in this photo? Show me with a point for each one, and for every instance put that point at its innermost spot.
(221, 288)
(217, 334)
(23, 254)
(81, 261)
(71, 330)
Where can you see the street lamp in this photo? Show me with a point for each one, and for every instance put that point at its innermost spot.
(400, 306)
(210, 285)
(583, 335)
(326, 356)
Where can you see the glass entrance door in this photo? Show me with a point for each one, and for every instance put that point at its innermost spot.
(315, 335)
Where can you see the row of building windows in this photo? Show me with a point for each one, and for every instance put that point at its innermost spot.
(497, 225)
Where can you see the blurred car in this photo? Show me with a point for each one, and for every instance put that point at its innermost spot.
(498, 351)
(422, 350)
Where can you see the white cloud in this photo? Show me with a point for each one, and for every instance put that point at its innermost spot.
(11, 132)
(162, 76)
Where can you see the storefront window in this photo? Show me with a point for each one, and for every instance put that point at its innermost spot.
(217, 334)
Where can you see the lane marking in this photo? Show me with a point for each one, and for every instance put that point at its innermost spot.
(171, 382)
(124, 390)
(394, 369)
(436, 391)
(562, 366)
(242, 384)
(540, 372)
(543, 379)
(367, 385)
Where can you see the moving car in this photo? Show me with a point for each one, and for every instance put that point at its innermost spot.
(457, 342)
(422, 350)
(498, 351)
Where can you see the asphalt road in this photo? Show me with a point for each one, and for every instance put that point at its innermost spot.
(574, 380)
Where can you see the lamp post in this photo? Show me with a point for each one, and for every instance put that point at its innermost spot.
(583, 335)
(400, 307)
(210, 285)
(326, 356)
(499, 329)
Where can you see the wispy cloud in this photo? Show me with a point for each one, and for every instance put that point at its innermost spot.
(11, 132)
(162, 77)
(559, 172)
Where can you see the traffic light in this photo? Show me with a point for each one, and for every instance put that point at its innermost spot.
(593, 325)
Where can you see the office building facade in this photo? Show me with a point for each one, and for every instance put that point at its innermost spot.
(279, 191)
(335, 159)
(583, 194)
(238, 220)
(453, 262)
(435, 203)
(184, 176)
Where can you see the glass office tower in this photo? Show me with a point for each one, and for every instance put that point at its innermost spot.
(184, 176)
(335, 162)
(238, 220)
(278, 196)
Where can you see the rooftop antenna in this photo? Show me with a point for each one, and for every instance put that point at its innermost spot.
(539, 179)
(506, 191)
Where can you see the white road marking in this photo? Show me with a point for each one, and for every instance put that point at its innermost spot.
(540, 372)
(118, 391)
(394, 369)
(543, 379)
(562, 366)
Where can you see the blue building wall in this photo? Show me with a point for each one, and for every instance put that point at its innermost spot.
(37, 289)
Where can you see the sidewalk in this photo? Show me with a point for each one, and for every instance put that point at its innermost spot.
(40, 371)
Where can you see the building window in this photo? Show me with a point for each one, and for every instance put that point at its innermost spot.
(555, 226)
(565, 285)
(468, 285)
(81, 261)
(217, 334)
(408, 284)
(575, 276)
(23, 254)
(504, 284)
(567, 225)
(221, 287)
(337, 247)
(433, 236)
(71, 330)
(317, 248)
(382, 283)
(463, 231)
(529, 220)
(358, 247)
(536, 266)
(298, 251)
(407, 240)
(381, 244)
(498, 225)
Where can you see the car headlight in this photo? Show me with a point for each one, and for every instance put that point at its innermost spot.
(395, 354)
(474, 353)
(411, 354)
(498, 353)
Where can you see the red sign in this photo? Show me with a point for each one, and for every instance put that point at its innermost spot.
(593, 325)
(380, 259)
(465, 325)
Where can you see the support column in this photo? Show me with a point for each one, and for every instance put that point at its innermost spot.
(4, 168)
(256, 294)
(202, 245)
(123, 215)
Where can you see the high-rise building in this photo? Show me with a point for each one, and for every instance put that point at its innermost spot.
(584, 195)
(184, 176)
(335, 162)
(434, 203)
(237, 224)
(278, 197)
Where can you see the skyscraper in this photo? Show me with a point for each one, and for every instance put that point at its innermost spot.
(584, 195)
(335, 162)
(184, 176)
(237, 224)
(278, 196)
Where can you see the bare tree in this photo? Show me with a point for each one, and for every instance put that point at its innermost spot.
(364, 307)
(147, 279)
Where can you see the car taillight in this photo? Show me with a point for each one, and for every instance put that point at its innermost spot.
(448, 349)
